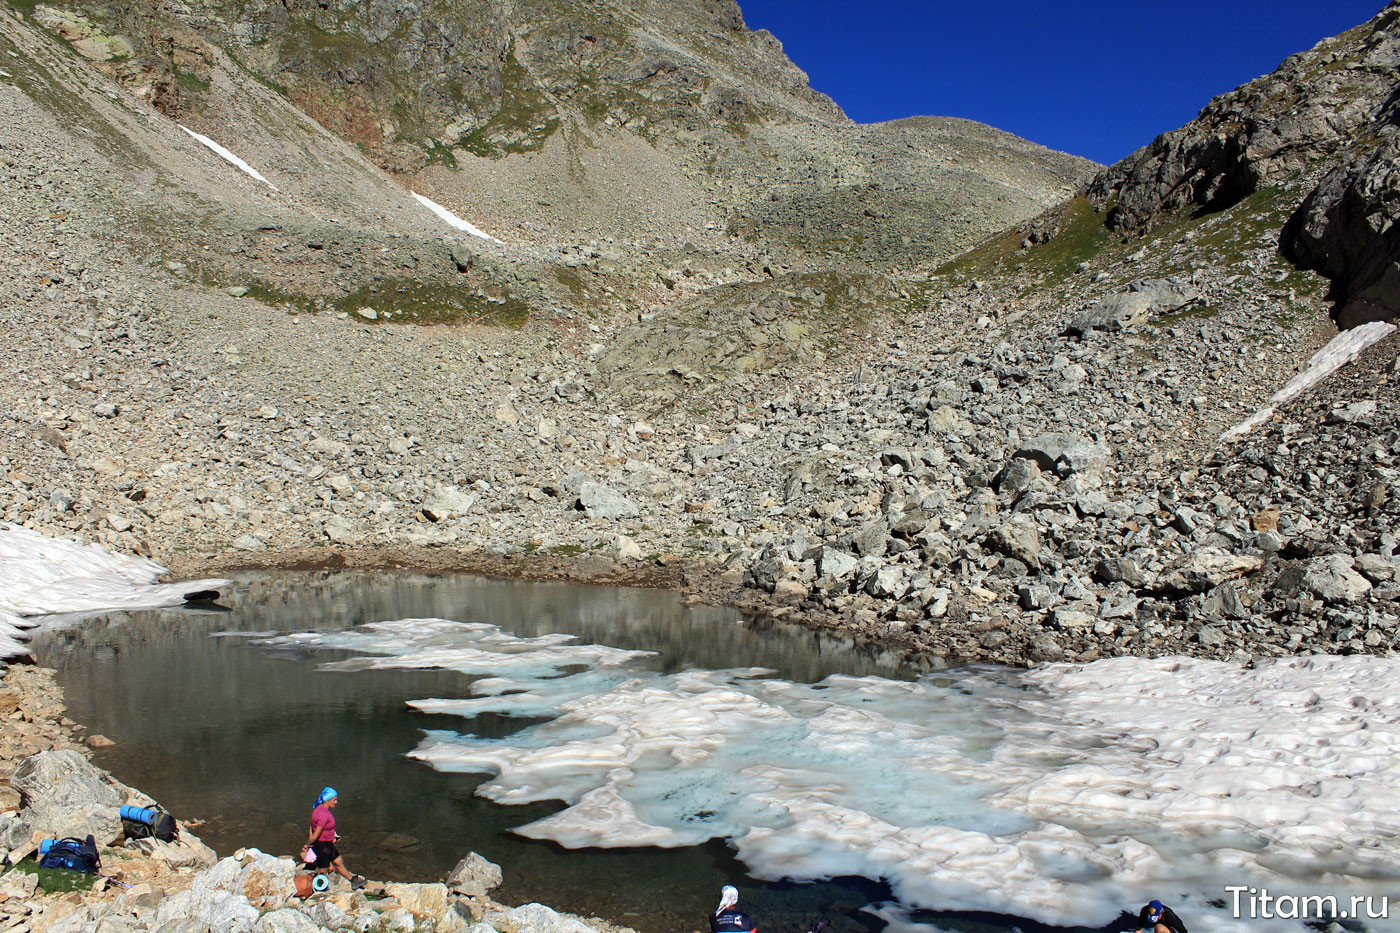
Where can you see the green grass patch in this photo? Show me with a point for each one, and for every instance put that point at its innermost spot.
(1191, 312)
(595, 108)
(525, 120)
(401, 300)
(24, 6)
(438, 154)
(304, 39)
(1083, 235)
(570, 279)
(567, 550)
(56, 880)
(920, 292)
(191, 83)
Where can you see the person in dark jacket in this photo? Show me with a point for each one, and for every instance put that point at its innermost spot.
(729, 918)
(1156, 917)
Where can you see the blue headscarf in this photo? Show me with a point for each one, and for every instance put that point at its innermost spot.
(326, 794)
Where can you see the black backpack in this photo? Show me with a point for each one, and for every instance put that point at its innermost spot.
(164, 828)
(73, 854)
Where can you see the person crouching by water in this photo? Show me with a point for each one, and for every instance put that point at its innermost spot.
(323, 837)
(1156, 917)
(729, 918)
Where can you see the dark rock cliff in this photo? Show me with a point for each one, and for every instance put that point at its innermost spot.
(1328, 111)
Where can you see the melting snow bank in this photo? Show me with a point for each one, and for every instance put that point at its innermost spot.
(43, 576)
(228, 156)
(1065, 794)
(1342, 349)
(452, 219)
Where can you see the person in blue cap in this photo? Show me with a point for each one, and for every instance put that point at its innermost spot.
(1156, 917)
(323, 839)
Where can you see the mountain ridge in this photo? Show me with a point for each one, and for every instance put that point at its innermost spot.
(678, 370)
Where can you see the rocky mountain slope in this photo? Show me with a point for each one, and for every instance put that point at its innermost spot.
(558, 121)
(1012, 456)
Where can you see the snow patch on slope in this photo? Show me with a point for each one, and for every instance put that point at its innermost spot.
(452, 219)
(228, 156)
(1340, 350)
(44, 576)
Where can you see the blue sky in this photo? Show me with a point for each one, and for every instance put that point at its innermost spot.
(1090, 77)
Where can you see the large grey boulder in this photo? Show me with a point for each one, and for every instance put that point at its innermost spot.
(1126, 310)
(264, 879)
(18, 884)
(421, 900)
(599, 500)
(184, 851)
(834, 564)
(889, 582)
(287, 920)
(208, 910)
(1044, 647)
(1067, 454)
(447, 502)
(1018, 537)
(474, 876)
(1205, 569)
(64, 794)
(341, 530)
(537, 918)
(231, 896)
(871, 539)
(1331, 578)
(1017, 476)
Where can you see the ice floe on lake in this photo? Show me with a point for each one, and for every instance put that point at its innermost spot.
(42, 576)
(1063, 794)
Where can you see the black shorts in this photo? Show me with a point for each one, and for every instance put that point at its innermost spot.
(326, 853)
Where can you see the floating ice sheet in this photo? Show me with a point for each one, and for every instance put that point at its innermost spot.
(1065, 794)
(42, 576)
(228, 156)
(452, 219)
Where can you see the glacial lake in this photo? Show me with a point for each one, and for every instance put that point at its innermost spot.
(621, 754)
(243, 737)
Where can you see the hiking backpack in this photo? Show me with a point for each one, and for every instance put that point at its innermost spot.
(73, 854)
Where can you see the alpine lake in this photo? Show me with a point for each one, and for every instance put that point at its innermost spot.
(238, 738)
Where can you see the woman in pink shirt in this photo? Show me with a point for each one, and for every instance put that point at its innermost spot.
(323, 838)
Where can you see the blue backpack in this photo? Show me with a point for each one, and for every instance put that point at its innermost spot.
(73, 854)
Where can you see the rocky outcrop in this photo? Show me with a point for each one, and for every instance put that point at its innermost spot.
(1313, 107)
(150, 885)
(1349, 229)
(64, 795)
